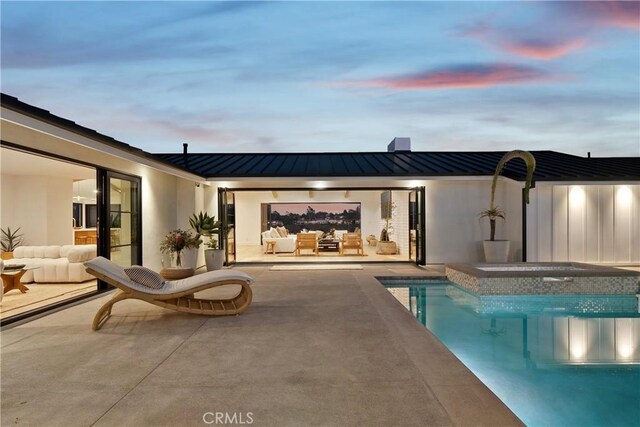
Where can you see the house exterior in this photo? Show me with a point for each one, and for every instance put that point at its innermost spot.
(582, 208)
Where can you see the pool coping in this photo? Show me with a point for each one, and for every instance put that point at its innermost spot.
(467, 400)
(587, 270)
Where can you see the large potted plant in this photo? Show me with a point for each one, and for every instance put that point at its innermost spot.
(9, 240)
(498, 250)
(386, 246)
(209, 227)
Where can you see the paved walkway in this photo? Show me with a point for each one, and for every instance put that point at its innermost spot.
(316, 348)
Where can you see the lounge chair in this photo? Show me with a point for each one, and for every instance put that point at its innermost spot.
(174, 295)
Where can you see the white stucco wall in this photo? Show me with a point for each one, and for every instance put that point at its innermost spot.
(586, 223)
(40, 205)
(454, 232)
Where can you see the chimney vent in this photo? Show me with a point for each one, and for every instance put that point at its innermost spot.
(399, 144)
(185, 151)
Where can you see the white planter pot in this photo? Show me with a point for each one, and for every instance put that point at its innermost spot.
(496, 251)
(190, 258)
(214, 258)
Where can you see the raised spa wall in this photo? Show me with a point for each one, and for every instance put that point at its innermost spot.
(543, 278)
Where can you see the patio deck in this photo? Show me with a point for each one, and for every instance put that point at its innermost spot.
(315, 348)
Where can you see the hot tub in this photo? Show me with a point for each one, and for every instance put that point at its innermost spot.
(543, 278)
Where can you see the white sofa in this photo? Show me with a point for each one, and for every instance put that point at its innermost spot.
(57, 264)
(283, 244)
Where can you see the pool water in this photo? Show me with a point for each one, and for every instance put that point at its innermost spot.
(553, 360)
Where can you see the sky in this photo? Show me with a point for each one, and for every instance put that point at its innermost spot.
(333, 76)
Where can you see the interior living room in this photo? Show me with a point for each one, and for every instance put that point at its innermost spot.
(48, 221)
(323, 225)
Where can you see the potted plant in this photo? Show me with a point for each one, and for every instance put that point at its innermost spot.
(207, 226)
(9, 240)
(498, 250)
(204, 224)
(176, 241)
(213, 255)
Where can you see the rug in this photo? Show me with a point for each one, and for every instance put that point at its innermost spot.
(304, 267)
(321, 254)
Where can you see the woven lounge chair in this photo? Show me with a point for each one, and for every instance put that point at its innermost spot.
(174, 295)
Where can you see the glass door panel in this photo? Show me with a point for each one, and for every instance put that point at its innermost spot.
(124, 226)
(421, 257)
(413, 225)
(226, 207)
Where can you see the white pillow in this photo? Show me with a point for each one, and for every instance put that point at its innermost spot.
(274, 233)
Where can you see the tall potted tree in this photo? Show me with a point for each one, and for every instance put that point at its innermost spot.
(498, 250)
(386, 246)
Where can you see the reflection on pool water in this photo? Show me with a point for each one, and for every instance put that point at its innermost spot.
(553, 359)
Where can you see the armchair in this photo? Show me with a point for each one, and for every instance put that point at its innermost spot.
(306, 241)
(351, 241)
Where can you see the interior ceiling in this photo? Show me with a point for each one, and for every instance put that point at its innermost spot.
(19, 163)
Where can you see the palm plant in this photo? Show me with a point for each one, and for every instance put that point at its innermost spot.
(494, 212)
(204, 224)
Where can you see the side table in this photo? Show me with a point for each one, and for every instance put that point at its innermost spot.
(270, 246)
(176, 273)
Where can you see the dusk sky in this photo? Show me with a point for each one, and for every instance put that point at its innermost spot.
(333, 76)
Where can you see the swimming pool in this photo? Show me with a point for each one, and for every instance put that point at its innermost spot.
(552, 359)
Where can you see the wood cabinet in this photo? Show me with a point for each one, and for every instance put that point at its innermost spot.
(85, 237)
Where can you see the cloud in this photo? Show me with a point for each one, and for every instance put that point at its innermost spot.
(528, 43)
(470, 76)
(544, 50)
(619, 14)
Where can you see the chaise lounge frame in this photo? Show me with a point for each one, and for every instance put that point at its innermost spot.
(182, 301)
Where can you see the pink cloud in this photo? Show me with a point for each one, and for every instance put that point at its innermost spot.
(543, 50)
(458, 77)
(533, 44)
(621, 14)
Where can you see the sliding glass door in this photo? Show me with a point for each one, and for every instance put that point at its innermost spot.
(226, 208)
(121, 218)
(417, 225)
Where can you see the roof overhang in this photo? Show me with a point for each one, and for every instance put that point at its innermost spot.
(324, 183)
(10, 117)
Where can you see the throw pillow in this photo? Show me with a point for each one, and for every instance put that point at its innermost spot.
(282, 231)
(274, 233)
(144, 276)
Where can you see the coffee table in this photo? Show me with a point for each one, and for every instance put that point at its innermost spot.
(329, 245)
(11, 279)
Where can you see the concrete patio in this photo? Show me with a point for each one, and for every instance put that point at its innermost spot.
(315, 348)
